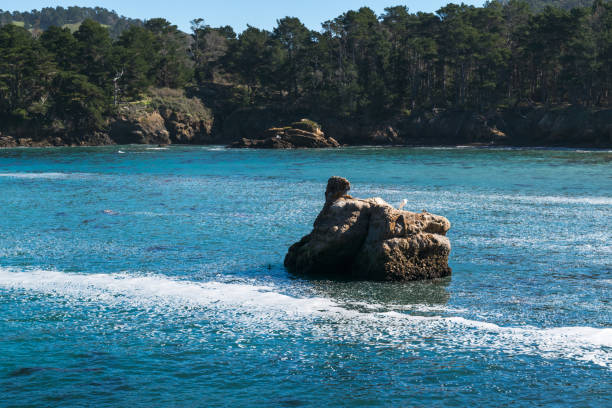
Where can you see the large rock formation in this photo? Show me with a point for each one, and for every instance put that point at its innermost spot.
(185, 128)
(369, 239)
(168, 116)
(139, 128)
(302, 134)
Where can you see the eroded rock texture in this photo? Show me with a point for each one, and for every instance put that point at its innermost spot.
(371, 240)
(302, 134)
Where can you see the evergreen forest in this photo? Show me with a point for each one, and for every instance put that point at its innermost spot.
(499, 56)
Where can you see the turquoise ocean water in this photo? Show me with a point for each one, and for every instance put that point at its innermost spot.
(144, 277)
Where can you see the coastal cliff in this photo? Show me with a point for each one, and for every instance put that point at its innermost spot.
(188, 121)
(528, 126)
(167, 116)
(163, 116)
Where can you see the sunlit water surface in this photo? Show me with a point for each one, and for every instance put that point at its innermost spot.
(145, 277)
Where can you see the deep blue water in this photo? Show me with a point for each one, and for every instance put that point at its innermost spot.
(141, 277)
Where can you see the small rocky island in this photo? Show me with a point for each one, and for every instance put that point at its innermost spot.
(371, 240)
(302, 134)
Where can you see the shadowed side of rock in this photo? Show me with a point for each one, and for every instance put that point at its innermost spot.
(370, 240)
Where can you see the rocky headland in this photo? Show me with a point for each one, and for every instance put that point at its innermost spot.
(302, 134)
(163, 116)
(171, 117)
(162, 123)
(570, 126)
(371, 240)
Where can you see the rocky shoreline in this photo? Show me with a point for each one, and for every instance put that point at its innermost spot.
(163, 116)
(302, 134)
(266, 128)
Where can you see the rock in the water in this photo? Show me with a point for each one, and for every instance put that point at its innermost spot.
(302, 134)
(371, 240)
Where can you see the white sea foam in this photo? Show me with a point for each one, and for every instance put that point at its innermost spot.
(263, 308)
(44, 175)
(586, 244)
(159, 214)
(155, 289)
(560, 199)
(408, 307)
(494, 198)
(217, 148)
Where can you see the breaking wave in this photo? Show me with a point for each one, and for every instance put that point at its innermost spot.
(263, 309)
(49, 175)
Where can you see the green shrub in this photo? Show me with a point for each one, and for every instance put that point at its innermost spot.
(307, 125)
(175, 100)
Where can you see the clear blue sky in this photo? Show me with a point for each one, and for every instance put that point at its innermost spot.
(237, 13)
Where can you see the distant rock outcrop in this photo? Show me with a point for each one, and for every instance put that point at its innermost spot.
(168, 117)
(139, 128)
(302, 134)
(371, 240)
(28, 137)
(7, 141)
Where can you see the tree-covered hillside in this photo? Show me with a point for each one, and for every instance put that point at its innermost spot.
(71, 17)
(358, 67)
(539, 5)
